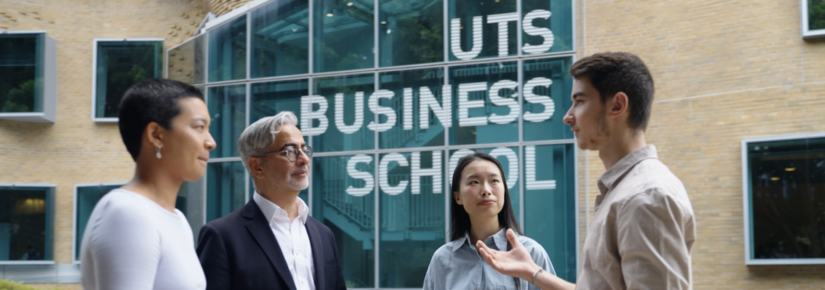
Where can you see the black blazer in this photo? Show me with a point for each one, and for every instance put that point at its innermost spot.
(239, 251)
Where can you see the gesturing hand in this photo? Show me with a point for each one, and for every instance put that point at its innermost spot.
(516, 262)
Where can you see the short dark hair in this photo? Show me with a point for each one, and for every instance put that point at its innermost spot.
(150, 100)
(614, 72)
(460, 220)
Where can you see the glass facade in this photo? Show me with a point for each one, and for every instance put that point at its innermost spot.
(187, 62)
(387, 137)
(119, 65)
(21, 73)
(26, 223)
(816, 14)
(786, 192)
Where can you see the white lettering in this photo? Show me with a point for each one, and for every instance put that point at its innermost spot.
(339, 113)
(464, 104)
(455, 39)
(418, 172)
(537, 31)
(379, 110)
(408, 109)
(509, 101)
(546, 101)
(427, 103)
(512, 161)
(362, 175)
(307, 115)
(530, 164)
(383, 170)
(502, 20)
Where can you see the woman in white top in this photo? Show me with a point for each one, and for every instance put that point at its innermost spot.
(135, 238)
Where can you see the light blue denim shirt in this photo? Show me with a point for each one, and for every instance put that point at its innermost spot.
(458, 265)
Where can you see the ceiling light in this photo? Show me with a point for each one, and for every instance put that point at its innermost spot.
(774, 178)
(790, 169)
(329, 14)
(383, 22)
(350, 4)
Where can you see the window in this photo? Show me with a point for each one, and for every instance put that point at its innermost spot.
(784, 199)
(227, 51)
(411, 32)
(187, 61)
(119, 64)
(28, 77)
(26, 224)
(280, 39)
(343, 35)
(813, 18)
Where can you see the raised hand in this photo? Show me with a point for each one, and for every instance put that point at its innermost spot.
(516, 262)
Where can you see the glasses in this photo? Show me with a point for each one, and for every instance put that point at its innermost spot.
(291, 152)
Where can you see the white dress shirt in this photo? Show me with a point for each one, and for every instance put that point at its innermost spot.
(293, 238)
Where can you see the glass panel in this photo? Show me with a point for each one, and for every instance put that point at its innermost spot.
(411, 32)
(550, 204)
(787, 198)
(413, 91)
(227, 51)
(481, 29)
(224, 189)
(26, 223)
(509, 159)
(227, 107)
(544, 33)
(343, 202)
(412, 216)
(21, 73)
(187, 61)
(340, 114)
(269, 99)
(485, 102)
(120, 64)
(343, 36)
(547, 84)
(816, 14)
(280, 39)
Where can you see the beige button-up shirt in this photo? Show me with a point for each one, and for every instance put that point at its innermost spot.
(642, 230)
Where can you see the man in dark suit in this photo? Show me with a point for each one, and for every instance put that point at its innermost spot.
(272, 242)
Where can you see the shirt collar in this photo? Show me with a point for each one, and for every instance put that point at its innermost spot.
(497, 241)
(610, 177)
(271, 210)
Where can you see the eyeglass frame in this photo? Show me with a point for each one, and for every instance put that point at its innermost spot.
(307, 150)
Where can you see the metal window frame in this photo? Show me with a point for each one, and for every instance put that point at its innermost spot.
(74, 213)
(746, 211)
(95, 43)
(53, 188)
(807, 33)
(49, 97)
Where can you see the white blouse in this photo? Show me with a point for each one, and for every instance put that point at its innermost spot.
(132, 242)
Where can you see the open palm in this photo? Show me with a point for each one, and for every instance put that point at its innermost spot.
(516, 262)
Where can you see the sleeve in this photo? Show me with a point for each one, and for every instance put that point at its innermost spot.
(125, 249)
(340, 283)
(212, 255)
(652, 242)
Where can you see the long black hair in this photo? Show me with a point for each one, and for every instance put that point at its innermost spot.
(460, 220)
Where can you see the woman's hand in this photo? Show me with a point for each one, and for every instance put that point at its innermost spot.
(516, 262)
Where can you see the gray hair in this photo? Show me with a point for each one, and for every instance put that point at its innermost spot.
(261, 134)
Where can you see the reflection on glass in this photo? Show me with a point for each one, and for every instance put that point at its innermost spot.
(816, 14)
(343, 35)
(550, 204)
(342, 200)
(411, 32)
(509, 159)
(787, 198)
(481, 29)
(547, 84)
(227, 51)
(280, 39)
(26, 223)
(21, 73)
(412, 216)
(227, 107)
(121, 64)
(224, 189)
(187, 61)
(413, 92)
(269, 99)
(547, 27)
(485, 103)
(340, 114)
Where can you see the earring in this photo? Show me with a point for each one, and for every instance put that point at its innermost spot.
(157, 152)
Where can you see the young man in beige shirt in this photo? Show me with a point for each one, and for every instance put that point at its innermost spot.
(643, 227)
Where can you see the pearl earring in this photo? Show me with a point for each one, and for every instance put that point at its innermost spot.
(157, 152)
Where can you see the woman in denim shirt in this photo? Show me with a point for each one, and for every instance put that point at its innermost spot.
(481, 211)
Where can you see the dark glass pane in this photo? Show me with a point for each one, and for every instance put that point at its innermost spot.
(408, 93)
(340, 114)
(550, 204)
(187, 62)
(816, 14)
(547, 84)
(227, 107)
(547, 26)
(227, 51)
(342, 200)
(481, 29)
(485, 103)
(26, 223)
(224, 189)
(787, 198)
(121, 64)
(509, 159)
(344, 35)
(411, 32)
(21, 73)
(269, 99)
(280, 39)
